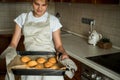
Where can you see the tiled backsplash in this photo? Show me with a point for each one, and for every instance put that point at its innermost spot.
(107, 19)
(9, 11)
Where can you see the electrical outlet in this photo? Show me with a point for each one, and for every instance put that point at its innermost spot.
(88, 21)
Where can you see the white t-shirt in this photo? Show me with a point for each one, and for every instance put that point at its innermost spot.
(54, 21)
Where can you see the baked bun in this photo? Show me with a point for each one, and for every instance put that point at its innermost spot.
(39, 66)
(32, 63)
(54, 67)
(52, 60)
(25, 59)
(48, 64)
(41, 60)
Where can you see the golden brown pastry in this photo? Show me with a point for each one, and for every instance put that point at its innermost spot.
(52, 60)
(41, 60)
(39, 66)
(32, 63)
(48, 64)
(25, 59)
(54, 67)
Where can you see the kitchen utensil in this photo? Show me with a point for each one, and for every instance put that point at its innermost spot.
(31, 71)
(94, 37)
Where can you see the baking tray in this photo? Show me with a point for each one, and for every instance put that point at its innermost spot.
(35, 53)
(37, 71)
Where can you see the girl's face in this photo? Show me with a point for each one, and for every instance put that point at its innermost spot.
(39, 7)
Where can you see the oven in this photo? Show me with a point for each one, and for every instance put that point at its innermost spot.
(89, 73)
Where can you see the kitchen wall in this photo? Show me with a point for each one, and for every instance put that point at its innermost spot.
(9, 11)
(107, 19)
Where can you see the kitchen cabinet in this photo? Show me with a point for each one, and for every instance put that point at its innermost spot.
(61, 0)
(23, 0)
(77, 75)
(2, 67)
(5, 41)
(2, 77)
(106, 1)
(72, 1)
(83, 1)
(90, 1)
(15, 1)
(7, 0)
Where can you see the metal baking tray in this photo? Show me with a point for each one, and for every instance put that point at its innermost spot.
(35, 53)
(37, 71)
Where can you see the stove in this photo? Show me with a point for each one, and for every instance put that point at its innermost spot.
(110, 61)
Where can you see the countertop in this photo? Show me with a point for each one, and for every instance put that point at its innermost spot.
(79, 49)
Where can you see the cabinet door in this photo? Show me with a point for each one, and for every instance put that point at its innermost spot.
(106, 1)
(61, 0)
(90, 1)
(82, 1)
(15, 0)
(97, 1)
(5, 41)
(23, 0)
(76, 1)
(21, 46)
(2, 67)
(8, 0)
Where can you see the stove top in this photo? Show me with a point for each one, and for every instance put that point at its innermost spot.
(110, 61)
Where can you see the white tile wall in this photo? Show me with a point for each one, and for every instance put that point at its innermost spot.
(107, 19)
(9, 11)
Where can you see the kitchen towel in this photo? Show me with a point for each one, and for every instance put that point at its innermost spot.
(6, 51)
(70, 65)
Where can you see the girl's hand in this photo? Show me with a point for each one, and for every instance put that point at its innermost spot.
(64, 56)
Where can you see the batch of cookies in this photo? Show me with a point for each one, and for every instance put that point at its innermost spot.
(40, 62)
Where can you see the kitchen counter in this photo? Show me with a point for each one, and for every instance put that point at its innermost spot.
(79, 49)
(6, 31)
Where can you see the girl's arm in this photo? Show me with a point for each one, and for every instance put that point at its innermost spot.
(58, 44)
(16, 37)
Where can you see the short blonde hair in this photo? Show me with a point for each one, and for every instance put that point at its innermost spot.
(42, 1)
